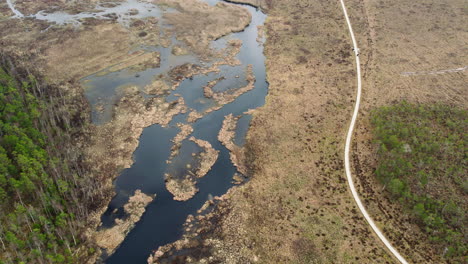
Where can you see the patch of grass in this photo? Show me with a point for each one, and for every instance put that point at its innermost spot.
(422, 162)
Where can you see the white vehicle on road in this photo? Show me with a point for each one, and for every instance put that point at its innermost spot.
(356, 51)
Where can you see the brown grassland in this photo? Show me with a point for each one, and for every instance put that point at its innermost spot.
(297, 207)
(397, 37)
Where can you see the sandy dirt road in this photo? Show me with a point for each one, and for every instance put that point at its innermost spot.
(348, 145)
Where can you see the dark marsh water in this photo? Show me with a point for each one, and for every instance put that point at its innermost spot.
(162, 222)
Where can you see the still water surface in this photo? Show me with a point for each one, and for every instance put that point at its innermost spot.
(162, 222)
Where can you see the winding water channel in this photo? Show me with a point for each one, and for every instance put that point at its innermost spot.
(162, 222)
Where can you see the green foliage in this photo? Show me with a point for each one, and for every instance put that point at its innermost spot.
(33, 218)
(396, 187)
(422, 161)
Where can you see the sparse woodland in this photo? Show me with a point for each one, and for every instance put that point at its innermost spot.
(422, 162)
(44, 191)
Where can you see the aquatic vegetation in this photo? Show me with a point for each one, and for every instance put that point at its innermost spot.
(185, 131)
(226, 137)
(100, 47)
(110, 238)
(208, 156)
(183, 187)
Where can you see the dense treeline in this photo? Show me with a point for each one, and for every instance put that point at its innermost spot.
(43, 194)
(423, 162)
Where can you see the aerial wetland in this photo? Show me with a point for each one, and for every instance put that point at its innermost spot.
(174, 178)
(214, 131)
(170, 106)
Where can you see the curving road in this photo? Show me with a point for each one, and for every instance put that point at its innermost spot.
(348, 146)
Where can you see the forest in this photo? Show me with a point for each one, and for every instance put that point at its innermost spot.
(422, 162)
(42, 212)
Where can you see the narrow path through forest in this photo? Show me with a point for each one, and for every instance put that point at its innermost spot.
(348, 145)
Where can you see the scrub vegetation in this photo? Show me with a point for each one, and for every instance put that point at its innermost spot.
(422, 162)
(396, 38)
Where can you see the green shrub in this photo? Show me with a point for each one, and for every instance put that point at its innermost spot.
(422, 161)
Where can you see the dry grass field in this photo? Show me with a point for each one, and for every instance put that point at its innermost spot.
(408, 50)
(297, 207)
